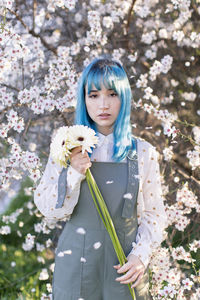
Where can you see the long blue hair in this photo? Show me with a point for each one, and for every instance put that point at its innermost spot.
(112, 75)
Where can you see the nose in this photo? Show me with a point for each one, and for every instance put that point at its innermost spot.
(103, 102)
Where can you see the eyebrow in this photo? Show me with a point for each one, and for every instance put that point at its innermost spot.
(99, 90)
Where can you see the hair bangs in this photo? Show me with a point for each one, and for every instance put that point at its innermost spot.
(94, 79)
(111, 77)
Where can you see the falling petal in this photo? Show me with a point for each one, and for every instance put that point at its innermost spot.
(97, 245)
(67, 252)
(81, 230)
(60, 254)
(128, 196)
(109, 182)
(83, 259)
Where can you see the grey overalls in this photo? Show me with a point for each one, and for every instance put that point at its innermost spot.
(85, 270)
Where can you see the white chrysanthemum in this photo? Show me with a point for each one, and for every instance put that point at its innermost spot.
(68, 138)
(58, 149)
(80, 135)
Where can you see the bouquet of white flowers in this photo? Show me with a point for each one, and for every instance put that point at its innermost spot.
(65, 140)
(68, 138)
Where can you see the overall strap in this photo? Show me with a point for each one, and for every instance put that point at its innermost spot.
(133, 183)
(62, 187)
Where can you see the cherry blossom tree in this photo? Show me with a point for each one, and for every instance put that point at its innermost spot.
(44, 46)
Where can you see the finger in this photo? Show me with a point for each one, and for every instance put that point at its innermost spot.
(116, 267)
(79, 159)
(84, 167)
(137, 281)
(76, 150)
(82, 155)
(84, 164)
(83, 159)
(131, 279)
(124, 268)
(88, 165)
(125, 276)
(78, 155)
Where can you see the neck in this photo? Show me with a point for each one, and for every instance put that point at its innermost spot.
(105, 131)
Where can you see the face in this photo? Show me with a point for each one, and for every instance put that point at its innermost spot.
(103, 107)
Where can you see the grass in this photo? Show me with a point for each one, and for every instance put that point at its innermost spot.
(21, 281)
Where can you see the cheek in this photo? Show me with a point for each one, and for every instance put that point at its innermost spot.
(89, 108)
(118, 106)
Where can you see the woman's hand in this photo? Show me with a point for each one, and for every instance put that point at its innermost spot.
(80, 162)
(134, 269)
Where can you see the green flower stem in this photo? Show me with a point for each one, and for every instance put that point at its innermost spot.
(91, 191)
(110, 226)
(103, 206)
(107, 221)
(118, 245)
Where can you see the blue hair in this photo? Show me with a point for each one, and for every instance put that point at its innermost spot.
(113, 76)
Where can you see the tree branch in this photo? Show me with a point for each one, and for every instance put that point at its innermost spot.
(10, 87)
(14, 106)
(187, 176)
(23, 79)
(18, 18)
(34, 12)
(129, 17)
(32, 32)
(25, 130)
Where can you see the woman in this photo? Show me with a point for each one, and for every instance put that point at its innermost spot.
(127, 173)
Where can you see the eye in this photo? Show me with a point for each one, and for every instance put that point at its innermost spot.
(113, 94)
(93, 96)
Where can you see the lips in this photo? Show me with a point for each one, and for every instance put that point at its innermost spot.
(104, 115)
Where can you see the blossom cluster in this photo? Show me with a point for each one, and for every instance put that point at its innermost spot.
(160, 67)
(29, 242)
(4, 4)
(13, 49)
(70, 4)
(186, 200)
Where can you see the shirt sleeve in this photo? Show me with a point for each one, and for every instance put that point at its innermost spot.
(46, 193)
(151, 213)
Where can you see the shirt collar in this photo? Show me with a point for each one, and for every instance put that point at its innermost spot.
(105, 139)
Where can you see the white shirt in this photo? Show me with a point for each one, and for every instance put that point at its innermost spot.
(150, 208)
